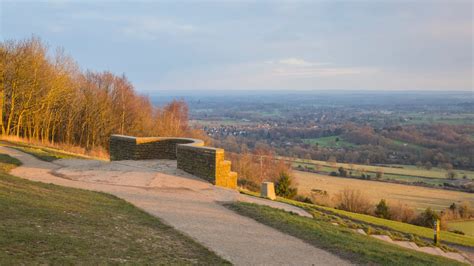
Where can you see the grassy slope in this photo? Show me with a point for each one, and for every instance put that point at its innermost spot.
(43, 153)
(43, 224)
(7, 163)
(338, 240)
(389, 224)
(465, 226)
(379, 222)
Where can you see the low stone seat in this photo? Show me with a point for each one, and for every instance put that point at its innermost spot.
(268, 190)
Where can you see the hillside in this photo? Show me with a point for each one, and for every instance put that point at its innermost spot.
(68, 225)
(339, 240)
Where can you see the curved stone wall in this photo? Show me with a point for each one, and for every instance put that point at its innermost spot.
(191, 155)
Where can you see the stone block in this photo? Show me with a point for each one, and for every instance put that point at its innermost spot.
(268, 190)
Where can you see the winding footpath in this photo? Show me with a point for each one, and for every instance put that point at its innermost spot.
(185, 202)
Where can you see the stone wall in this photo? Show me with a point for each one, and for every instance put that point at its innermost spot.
(191, 155)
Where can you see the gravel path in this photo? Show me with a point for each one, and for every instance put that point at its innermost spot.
(188, 204)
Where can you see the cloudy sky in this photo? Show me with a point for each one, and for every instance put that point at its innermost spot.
(260, 45)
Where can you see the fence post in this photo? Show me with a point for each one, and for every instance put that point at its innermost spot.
(436, 231)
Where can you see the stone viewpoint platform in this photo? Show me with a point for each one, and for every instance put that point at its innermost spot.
(191, 155)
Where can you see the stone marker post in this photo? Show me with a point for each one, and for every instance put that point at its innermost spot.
(268, 190)
(436, 232)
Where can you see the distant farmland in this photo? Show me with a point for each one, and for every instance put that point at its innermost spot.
(329, 142)
(405, 170)
(414, 196)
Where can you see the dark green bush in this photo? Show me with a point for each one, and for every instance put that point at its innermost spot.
(284, 187)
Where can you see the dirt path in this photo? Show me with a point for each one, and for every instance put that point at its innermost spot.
(189, 204)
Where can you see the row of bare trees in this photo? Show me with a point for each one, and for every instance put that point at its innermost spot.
(44, 96)
(256, 167)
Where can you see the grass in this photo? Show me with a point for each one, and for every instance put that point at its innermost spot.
(417, 197)
(406, 179)
(48, 224)
(45, 155)
(407, 144)
(424, 232)
(337, 240)
(42, 153)
(330, 142)
(464, 226)
(97, 153)
(7, 163)
(384, 224)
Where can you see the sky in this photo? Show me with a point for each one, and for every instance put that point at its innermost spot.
(314, 45)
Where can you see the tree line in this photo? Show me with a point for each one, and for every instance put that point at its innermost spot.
(429, 145)
(44, 96)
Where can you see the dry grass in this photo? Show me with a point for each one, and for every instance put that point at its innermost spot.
(97, 153)
(417, 197)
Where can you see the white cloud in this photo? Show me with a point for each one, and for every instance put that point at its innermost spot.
(295, 62)
(297, 67)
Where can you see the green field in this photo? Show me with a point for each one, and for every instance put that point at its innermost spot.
(340, 142)
(330, 142)
(404, 170)
(406, 144)
(412, 179)
(43, 224)
(338, 240)
(452, 119)
(436, 182)
(404, 174)
(464, 226)
(217, 123)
